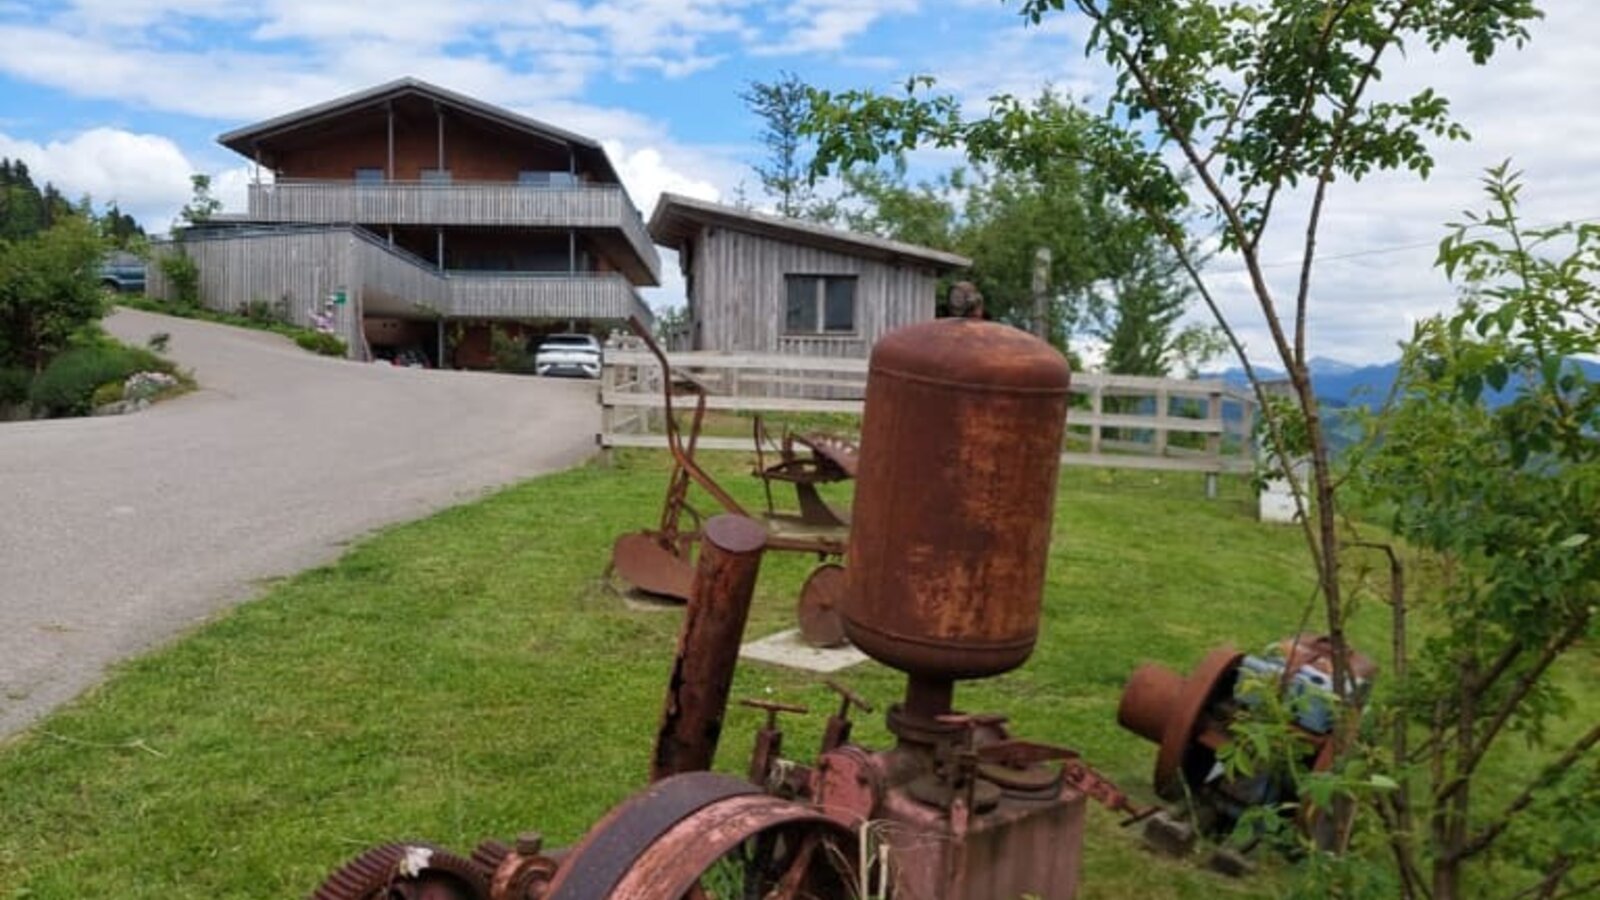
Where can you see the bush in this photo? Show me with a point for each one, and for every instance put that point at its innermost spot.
(14, 385)
(110, 392)
(321, 342)
(183, 275)
(67, 386)
(262, 312)
(48, 291)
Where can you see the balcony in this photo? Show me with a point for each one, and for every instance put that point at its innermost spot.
(586, 206)
(396, 283)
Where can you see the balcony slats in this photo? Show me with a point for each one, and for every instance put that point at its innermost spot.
(407, 203)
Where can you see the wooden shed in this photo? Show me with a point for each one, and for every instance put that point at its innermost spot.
(761, 283)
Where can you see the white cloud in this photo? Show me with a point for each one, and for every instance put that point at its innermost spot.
(827, 25)
(145, 174)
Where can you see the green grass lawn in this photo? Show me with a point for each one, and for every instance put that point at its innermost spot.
(469, 675)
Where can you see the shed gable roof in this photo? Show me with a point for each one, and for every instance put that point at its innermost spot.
(677, 218)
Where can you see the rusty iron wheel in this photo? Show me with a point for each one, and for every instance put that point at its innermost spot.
(708, 837)
(405, 871)
(820, 609)
(1180, 760)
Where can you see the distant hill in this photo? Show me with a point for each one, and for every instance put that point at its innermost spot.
(1342, 384)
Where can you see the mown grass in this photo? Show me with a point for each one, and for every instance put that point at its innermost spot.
(469, 675)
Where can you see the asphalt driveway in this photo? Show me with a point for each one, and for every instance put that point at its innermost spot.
(118, 533)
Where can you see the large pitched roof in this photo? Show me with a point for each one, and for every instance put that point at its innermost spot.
(678, 218)
(241, 140)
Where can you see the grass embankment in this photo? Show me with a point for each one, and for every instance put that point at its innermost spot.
(468, 676)
(259, 316)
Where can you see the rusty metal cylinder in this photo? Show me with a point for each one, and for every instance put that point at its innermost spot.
(950, 529)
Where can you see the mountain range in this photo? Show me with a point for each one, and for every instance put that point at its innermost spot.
(1343, 384)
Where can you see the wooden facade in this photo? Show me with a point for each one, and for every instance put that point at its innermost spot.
(294, 271)
(585, 207)
(738, 265)
(416, 203)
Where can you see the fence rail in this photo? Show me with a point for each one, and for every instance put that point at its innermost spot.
(1117, 421)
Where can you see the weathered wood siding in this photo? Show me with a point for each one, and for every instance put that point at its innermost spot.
(411, 203)
(292, 271)
(295, 270)
(739, 295)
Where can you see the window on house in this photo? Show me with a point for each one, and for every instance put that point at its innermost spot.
(819, 304)
(369, 176)
(546, 179)
(435, 176)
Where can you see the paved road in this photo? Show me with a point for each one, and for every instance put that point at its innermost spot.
(117, 533)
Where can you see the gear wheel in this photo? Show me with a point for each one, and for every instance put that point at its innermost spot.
(405, 871)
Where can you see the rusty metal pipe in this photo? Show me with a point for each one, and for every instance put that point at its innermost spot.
(708, 646)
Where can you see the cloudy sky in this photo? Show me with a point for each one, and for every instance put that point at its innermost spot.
(123, 99)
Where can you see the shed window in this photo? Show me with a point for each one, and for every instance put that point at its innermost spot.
(820, 304)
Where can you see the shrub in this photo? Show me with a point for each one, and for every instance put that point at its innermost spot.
(66, 387)
(110, 392)
(48, 291)
(263, 312)
(321, 342)
(183, 275)
(14, 385)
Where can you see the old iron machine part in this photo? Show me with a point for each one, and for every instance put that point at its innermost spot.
(660, 560)
(690, 834)
(963, 430)
(1190, 719)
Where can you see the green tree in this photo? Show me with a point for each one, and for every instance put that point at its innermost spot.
(1250, 101)
(202, 204)
(21, 203)
(120, 229)
(1247, 102)
(782, 104)
(1504, 500)
(48, 292)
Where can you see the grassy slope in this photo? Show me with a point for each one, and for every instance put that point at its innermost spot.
(469, 676)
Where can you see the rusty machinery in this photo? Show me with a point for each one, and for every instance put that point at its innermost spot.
(660, 560)
(1191, 719)
(953, 514)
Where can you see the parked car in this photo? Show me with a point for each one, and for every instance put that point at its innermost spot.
(568, 354)
(122, 273)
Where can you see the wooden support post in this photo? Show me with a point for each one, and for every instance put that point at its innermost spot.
(1097, 404)
(1162, 411)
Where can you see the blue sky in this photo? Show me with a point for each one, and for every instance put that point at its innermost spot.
(122, 99)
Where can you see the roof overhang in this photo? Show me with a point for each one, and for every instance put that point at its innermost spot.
(246, 140)
(677, 219)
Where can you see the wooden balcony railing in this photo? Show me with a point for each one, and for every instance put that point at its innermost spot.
(482, 203)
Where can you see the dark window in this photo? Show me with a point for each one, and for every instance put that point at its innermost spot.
(546, 179)
(819, 304)
(369, 176)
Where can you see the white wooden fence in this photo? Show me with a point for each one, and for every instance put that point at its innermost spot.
(1117, 421)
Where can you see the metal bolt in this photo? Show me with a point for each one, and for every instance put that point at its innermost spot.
(529, 843)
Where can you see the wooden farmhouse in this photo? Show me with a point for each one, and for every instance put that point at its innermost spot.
(419, 219)
(760, 283)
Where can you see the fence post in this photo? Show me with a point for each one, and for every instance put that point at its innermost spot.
(1163, 408)
(1096, 406)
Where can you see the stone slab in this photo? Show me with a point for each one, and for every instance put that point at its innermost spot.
(787, 649)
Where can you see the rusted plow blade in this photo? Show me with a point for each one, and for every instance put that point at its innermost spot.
(640, 559)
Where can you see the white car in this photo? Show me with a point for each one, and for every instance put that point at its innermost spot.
(568, 354)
